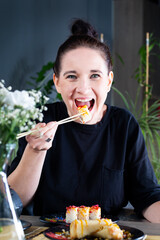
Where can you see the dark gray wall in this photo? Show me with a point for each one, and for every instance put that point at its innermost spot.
(132, 19)
(128, 38)
(32, 30)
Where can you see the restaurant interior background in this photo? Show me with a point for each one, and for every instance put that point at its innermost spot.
(32, 30)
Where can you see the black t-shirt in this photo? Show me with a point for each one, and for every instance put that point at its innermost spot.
(105, 163)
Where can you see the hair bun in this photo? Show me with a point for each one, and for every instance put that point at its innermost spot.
(81, 27)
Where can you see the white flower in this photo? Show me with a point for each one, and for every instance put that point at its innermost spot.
(19, 98)
(18, 111)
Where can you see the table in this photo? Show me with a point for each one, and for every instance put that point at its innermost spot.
(127, 218)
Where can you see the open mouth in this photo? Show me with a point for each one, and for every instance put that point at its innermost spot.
(82, 102)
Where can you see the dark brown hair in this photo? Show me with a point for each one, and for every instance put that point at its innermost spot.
(83, 35)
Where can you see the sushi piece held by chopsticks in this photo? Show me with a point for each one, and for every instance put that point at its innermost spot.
(85, 114)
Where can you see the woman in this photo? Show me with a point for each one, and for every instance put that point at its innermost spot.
(101, 162)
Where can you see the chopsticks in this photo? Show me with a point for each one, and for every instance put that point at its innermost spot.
(66, 120)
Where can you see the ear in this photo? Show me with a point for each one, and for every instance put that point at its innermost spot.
(110, 80)
(56, 83)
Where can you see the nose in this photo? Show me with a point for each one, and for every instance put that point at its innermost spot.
(83, 86)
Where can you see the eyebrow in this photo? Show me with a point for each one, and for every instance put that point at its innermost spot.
(67, 72)
(72, 71)
(96, 71)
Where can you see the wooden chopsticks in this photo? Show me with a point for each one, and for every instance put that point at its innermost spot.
(66, 120)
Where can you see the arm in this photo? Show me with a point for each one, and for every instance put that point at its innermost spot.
(152, 213)
(25, 178)
(142, 187)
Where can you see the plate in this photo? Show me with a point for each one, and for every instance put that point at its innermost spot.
(59, 218)
(56, 232)
(25, 224)
(135, 232)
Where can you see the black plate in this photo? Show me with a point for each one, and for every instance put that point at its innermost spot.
(25, 224)
(51, 233)
(59, 218)
(137, 234)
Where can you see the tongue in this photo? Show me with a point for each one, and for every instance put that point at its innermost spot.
(81, 104)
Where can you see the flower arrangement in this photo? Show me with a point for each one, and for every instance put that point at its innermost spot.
(19, 111)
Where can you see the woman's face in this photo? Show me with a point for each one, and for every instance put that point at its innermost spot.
(84, 80)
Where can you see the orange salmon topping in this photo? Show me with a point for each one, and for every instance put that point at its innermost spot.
(85, 116)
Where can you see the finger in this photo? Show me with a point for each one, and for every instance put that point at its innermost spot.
(44, 137)
(49, 130)
(39, 125)
(44, 130)
(51, 125)
(36, 129)
(40, 129)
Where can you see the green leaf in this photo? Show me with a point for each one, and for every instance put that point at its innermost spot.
(120, 58)
(122, 96)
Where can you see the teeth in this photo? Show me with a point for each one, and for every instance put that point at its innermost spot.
(83, 100)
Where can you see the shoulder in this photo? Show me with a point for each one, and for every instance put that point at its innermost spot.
(55, 106)
(55, 111)
(121, 114)
(124, 121)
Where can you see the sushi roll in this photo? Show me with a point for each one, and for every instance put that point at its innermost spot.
(95, 212)
(71, 213)
(103, 228)
(86, 116)
(83, 213)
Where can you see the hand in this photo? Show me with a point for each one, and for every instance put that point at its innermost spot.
(42, 139)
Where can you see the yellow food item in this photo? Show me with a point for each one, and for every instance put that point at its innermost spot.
(83, 213)
(85, 116)
(102, 228)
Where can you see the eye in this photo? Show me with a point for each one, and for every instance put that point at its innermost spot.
(95, 76)
(72, 77)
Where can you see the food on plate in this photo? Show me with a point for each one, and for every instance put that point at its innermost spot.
(102, 228)
(71, 213)
(86, 116)
(83, 213)
(95, 212)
